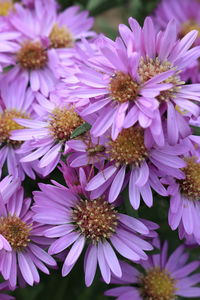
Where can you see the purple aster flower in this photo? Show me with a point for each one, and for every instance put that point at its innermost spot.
(43, 32)
(6, 6)
(4, 287)
(75, 178)
(76, 221)
(23, 236)
(16, 102)
(137, 78)
(186, 14)
(184, 199)
(62, 29)
(161, 277)
(129, 159)
(47, 135)
(8, 38)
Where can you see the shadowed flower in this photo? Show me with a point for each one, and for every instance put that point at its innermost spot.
(161, 277)
(4, 287)
(76, 221)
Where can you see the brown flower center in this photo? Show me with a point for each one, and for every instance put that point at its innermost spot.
(32, 56)
(189, 26)
(15, 231)
(95, 219)
(63, 122)
(129, 147)
(158, 285)
(149, 68)
(5, 7)
(190, 186)
(61, 37)
(123, 88)
(7, 124)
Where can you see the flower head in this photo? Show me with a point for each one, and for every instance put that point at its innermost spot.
(16, 102)
(137, 79)
(42, 31)
(76, 220)
(24, 249)
(162, 277)
(47, 136)
(186, 15)
(131, 160)
(184, 199)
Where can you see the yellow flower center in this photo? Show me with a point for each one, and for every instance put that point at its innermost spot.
(63, 122)
(189, 26)
(15, 231)
(5, 7)
(158, 285)
(129, 147)
(32, 56)
(7, 124)
(149, 68)
(61, 37)
(190, 186)
(95, 219)
(123, 88)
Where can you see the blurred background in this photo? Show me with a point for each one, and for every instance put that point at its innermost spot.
(109, 13)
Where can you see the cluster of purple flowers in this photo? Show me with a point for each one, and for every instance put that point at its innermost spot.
(111, 116)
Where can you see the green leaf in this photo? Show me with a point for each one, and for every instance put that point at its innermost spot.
(8, 68)
(195, 130)
(80, 130)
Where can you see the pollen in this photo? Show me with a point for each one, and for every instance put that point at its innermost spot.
(128, 148)
(190, 186)
(95, 219)
(63, 122)
(32, 56)
(123, 88)
(157, 284)
(15, 231)
(7, 124)
(5, 7)
(149, 68)
(61, 37)
(189, 26)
